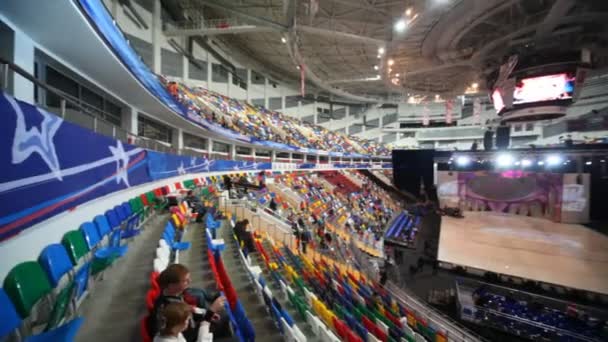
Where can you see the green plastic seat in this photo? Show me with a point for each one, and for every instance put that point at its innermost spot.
(189, 184)
(62, 302)
(26, 284)
(74, 243)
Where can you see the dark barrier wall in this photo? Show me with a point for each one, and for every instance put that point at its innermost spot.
(411, 168)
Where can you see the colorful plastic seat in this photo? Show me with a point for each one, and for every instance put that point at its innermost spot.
(26, 284)
(55, 261)
(169, 237)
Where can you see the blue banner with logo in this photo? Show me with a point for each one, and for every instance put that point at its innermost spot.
(50, 165)
(163, 165)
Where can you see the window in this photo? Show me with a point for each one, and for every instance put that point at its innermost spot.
(197, 70)
(90, 99)
(274, 103)
(195, 141)
(291, 101)
(171, 63)
(257, 78)
(310, 119)
(65, 84)
(283, 155)
(219, 74)
(152, 129)
(242, 150)
(517, 128)
(262, 153)
(529, 126)
(239, 78)
(220, 147)
(257, 102)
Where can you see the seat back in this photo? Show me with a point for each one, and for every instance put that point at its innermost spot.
(126, 208)
(144, 199)
(55, 261)
(8, 315)
(113, 219)
(103, 226)
(90, 233)
(26, 284)
(150, 197)
(75, 245)
(120, 213)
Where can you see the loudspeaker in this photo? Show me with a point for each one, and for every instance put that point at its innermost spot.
(488, 136)
(503, 137)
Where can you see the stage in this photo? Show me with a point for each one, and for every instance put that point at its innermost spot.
(570, 255)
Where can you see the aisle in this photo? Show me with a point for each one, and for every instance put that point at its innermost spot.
(117, 303)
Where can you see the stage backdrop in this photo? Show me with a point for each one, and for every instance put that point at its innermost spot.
(558, 197)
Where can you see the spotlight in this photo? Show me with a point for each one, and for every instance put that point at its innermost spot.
(526, 162)
(408, 12)
(463, 161)
(504, 160)
(380, 50)
(475, 85)
(391, 62)
(396, 75)
(553, 160)
(375, 67)
(379, 56)
(283, 40)
(400, 25)
(588, 163)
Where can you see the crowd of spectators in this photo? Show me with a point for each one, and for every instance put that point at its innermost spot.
(363, 214)
(264, 124)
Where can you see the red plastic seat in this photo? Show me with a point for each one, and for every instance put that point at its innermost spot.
(143, 330)
(154, 281)
(144, 199)
(151, 298)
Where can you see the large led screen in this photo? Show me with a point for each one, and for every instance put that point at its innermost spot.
(544, 88)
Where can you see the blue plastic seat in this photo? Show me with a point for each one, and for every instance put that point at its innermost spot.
(55, 261)
(112, 218)
(91, 236)
(120, 213)
(169, 237)
(102, 225)
(10, 320)
(211, 223)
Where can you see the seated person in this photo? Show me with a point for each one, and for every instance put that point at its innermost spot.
(176, 318)
(241, 230)
(174, 282)
(272, 205)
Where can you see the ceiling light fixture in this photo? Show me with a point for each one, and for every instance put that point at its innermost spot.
(375, 67)
(283, 40)
(408, 11)
(400, 25)
(475, 85)
(380, 51)
(391, 62)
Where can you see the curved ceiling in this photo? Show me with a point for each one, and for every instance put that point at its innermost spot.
(444, 45)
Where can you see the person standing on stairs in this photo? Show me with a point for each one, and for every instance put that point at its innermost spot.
(175, 282)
